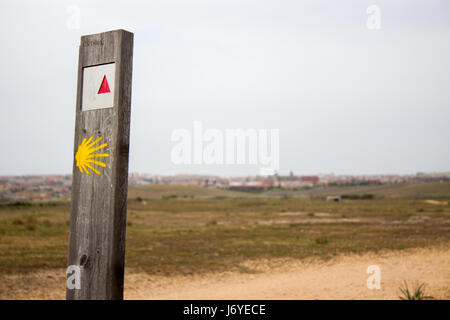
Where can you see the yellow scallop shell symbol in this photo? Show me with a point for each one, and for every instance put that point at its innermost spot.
(85, 155)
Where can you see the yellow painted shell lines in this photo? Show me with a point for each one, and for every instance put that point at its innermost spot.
(85, 155)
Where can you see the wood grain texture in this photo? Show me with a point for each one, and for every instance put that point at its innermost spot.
(98, 211)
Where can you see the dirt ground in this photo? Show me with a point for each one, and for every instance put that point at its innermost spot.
(341, 278)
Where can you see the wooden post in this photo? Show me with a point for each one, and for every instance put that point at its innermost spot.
(100, 168)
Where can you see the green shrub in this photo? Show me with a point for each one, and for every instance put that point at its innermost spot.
(418, 293)
(322, 240)
(366, 196)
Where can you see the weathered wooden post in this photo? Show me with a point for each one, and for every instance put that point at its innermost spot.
(100, 168)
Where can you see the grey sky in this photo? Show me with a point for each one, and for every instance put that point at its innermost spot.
(345, 98)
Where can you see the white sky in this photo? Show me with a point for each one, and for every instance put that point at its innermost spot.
(346, 99)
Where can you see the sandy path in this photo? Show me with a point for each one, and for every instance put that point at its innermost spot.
(341, 278)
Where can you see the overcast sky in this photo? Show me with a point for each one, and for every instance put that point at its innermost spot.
(346, 99)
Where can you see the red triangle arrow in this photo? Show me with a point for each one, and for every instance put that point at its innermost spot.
(104, 87)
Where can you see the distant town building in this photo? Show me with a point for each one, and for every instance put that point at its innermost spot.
(291, 181)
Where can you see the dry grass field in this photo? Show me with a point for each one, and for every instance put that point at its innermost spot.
(179, 232)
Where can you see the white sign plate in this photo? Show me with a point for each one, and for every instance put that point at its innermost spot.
(98, 87)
